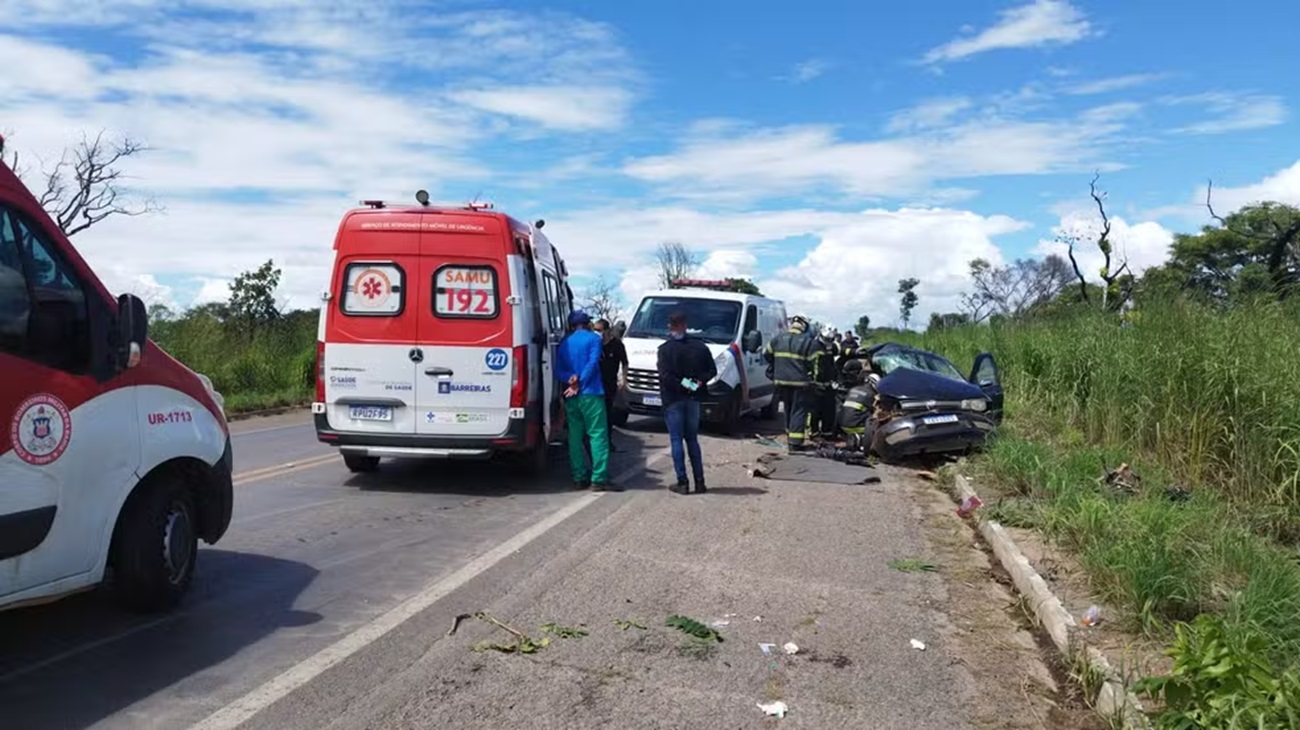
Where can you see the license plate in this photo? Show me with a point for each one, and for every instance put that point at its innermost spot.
(370, 413)
(651, 400)
(936, 420)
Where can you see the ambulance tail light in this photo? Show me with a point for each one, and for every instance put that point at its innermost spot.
(320, 371)
(519, 378)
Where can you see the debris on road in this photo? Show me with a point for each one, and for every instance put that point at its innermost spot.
(774, 709)
(969, 505)
(626, 624)
(455, 622)
(565, 632)
(720, 624)
(770, 443)
(1092, 616)
(928, 476)
(758, 619)
(693, 628)
(524, 644)
(767, 649)
(913, 565)
(1121, 477)
(810, 468)
(918, 645)
(791, 648)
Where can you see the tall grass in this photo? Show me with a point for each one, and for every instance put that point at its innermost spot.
(1211, 396)
(253, 368)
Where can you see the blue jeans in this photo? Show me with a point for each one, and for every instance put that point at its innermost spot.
(683, 418)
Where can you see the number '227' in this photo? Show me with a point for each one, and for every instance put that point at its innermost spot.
(469, 300)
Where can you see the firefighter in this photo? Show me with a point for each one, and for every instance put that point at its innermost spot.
(824, 376)
(790, 356)
(855, 413)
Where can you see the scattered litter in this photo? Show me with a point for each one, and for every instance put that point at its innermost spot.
(1092, 616)
(455, 622)
(969, 505)
(929, 476)
(770, 443)
(758, 619)
(1178, 493)
(693, 628)
(525, 644)
(720, 624)
(728, 615)
(767, 649)
(626, 624)
(774, 709)
(791, 648)
(1121, 477)
(918, 645)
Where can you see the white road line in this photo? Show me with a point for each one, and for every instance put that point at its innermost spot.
(237, 433)
(236, 713)
(241, 710)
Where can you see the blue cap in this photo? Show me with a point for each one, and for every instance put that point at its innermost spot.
(578, 317)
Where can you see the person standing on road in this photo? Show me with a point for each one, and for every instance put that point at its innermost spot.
(790, 355)
(613, 372)
(577, 366)
(685, 367)
(823, 405)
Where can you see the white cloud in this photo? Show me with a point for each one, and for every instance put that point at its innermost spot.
(1038, 23)
(1142, 245)
(1232, 112)
(266, 122)
(570, 108)
(1280, 187)
(806, 71)
(928, 114)
(1114, 83)
(855, 268)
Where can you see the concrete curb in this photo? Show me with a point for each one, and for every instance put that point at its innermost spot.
(1113, 700)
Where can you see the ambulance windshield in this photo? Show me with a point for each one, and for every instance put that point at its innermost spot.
(712, 320)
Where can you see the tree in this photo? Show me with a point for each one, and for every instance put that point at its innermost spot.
(1117, 281)
(82, 188)
(948, 320)
(1013, 290)
(252, 296)
(909, 300)
(744, 286)
(863, 326)
(601, 299)
(675, 261)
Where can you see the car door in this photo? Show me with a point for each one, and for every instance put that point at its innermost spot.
(69, 435)
(371, 357)
(465, 333)
(986, 375)
(752, 357)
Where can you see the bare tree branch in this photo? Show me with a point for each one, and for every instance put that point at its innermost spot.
(601, 299)
(675, 261)
(83, 187)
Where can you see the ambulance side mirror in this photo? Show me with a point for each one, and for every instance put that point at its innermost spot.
(132, 330)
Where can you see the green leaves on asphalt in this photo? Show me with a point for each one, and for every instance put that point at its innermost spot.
(526, 645)
(694, 628)
(564, 632)
(626, 624)
(913, 565)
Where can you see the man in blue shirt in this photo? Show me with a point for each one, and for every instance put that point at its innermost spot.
(577, 366)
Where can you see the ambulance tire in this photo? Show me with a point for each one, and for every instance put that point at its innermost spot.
(537, 460)
(155, 545)
(360, 463)
(731, 421)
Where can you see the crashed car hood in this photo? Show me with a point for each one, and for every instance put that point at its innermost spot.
(905, 384)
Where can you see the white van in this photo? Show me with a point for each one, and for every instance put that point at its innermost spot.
(735, 326)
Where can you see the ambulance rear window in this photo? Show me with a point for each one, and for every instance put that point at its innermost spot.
(461, 291)
(373, 289)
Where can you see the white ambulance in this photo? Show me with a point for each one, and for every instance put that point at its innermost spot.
(114, 458)
(735, 326)
(438, 336)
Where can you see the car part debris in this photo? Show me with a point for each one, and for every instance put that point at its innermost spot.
(1121, 477)
(791, 648)
(918, 645)
(774, 709)
(969, 505)
(767, 649)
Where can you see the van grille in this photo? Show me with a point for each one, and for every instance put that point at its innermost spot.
(643, 380)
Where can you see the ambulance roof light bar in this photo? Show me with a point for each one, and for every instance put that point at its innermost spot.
(712, 284)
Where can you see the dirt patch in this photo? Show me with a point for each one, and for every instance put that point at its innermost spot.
(1016, 684)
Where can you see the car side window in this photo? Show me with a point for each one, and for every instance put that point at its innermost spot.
(57, 331)
(751, 319)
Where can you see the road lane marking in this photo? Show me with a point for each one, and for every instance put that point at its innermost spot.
(235, 433)
(245, 708)
(255, 475)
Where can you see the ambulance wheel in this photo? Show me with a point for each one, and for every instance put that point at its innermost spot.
(731, 422)
(155, 545)
(537, 460)
(360, 463)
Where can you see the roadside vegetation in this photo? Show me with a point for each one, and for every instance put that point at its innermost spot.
(1191, 376)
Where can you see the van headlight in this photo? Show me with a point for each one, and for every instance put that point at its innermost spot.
(979, 405)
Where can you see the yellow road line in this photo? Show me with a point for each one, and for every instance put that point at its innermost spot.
(256, 475)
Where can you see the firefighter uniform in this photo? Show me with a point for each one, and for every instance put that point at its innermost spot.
(823, 389)
(791, 356)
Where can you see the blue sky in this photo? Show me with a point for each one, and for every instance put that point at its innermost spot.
(826, 151)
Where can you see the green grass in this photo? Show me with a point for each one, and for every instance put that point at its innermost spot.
(265, 368)
(1202, 400)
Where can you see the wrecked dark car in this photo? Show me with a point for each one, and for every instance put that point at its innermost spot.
(924, 405)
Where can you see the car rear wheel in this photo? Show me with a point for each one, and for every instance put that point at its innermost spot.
(360, 463)
(155, 546)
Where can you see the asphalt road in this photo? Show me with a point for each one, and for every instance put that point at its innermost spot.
(312, 553)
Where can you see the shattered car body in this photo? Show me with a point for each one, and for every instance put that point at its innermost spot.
(925, 405)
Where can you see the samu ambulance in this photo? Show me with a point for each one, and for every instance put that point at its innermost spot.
(735, 326)
(437, 336)
(114, 458)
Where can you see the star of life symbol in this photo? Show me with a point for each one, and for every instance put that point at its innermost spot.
(374, 288)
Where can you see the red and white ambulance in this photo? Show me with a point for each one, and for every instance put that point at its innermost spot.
(437, 337)
(114, 457)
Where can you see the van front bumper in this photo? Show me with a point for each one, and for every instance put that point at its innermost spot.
(517, 437)
(717, 403)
